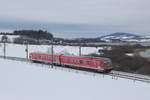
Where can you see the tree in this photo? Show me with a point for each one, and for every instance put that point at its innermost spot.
(4, 38)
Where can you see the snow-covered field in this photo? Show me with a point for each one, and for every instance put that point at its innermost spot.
(25, 81)
(19, 50)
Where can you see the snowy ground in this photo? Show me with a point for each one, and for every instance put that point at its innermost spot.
(24, 81)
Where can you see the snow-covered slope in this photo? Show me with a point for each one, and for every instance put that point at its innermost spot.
(24, 81)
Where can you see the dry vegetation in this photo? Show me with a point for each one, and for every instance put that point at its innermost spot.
(133, 64)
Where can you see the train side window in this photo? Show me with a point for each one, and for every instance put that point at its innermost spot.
(66, 59)
(76, 61)
(70, 60)
(94, 63)
(49, 57)
(84, 62)
(80, 61)
(56, 58)
(88, 62)
(73, 61)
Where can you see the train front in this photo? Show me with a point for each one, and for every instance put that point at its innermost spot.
(107, 65)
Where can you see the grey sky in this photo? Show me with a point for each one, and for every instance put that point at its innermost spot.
(128, 15)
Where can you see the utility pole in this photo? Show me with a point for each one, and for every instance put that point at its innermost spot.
(4, 40)
(79, 50)
(26, 43)
(4, 48)
(52, 52)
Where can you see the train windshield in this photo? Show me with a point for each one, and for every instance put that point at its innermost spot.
(107, 62)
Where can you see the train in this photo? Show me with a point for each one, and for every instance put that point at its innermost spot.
(98, 64)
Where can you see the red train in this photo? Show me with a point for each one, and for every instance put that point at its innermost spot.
(99, 64)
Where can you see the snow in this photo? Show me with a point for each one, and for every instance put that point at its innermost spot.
(10, 37)
(19, 50)
(26, 81)
(145, 53)
(129, 54)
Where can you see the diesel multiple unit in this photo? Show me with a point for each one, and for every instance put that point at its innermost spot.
(99, 64)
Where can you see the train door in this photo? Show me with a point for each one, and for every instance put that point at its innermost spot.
(57, 59)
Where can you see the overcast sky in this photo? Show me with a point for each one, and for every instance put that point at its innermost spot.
(104, 16)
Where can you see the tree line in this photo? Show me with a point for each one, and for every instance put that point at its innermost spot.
(30, 36)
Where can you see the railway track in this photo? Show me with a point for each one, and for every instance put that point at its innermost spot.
(114, 74)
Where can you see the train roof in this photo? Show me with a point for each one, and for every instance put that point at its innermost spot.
(90, 57)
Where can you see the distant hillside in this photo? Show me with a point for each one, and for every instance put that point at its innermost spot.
(117, 37)
(126, 37)
(36, 36)
(120, 35)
